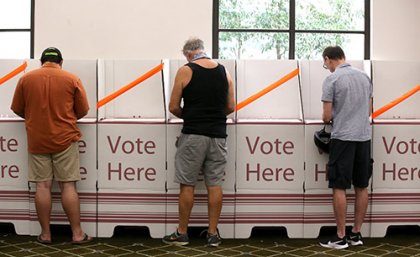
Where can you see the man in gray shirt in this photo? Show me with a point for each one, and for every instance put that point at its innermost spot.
(347, 100)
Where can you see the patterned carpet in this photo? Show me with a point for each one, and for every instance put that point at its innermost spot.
(128, 241)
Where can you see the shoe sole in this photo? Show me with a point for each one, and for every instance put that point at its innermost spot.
(338, 247)
(175, 243)
(214, 244)
(356, 243)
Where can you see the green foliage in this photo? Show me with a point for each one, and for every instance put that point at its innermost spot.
(232, 15)
(274, 15)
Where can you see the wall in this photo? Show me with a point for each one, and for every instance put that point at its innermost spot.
(126, 29)
(395, 35)
(147, 29)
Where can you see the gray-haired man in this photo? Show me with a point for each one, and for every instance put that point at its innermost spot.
(207, 90)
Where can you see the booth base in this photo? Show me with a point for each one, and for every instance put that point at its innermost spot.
(87, 213)
(14, 208)
(319, 212)
(199, 214)
(131, 208)
(394, 208)
(269, 209)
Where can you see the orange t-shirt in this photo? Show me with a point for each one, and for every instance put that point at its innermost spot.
(50, 100)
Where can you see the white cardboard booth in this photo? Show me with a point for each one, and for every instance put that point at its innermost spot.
(275, 176)
(269, 149)
(14, 190)
(131, 149)
(396, 137)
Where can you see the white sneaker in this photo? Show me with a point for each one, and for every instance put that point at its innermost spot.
(335, 243)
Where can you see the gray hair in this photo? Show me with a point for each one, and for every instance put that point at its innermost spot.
(192, 45)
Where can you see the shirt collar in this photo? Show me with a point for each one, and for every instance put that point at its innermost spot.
(51, 65)
(344, 65)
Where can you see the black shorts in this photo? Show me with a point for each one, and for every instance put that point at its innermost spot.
(349, 163)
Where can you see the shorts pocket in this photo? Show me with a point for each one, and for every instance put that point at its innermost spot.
(177, 142)
(370, 169)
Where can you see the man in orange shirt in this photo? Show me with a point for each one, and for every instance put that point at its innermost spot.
(51, 101)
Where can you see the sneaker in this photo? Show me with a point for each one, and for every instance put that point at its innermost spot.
(176, 239)
(355, 239)
(214, 239)
(335, 243)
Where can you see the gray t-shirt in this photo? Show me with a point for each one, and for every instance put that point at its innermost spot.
(350, 91)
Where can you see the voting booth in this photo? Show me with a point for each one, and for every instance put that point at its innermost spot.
(269, 148)
(396, 137)
(14, 190)
(199, 214)
(131, 147)
(318, 205)
(275, 175)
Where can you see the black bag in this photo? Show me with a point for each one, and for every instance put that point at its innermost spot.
(322, 139)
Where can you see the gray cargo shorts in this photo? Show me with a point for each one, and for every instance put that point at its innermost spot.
(197, 153)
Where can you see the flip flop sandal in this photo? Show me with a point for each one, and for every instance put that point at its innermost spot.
(86, 239)
(42, 241)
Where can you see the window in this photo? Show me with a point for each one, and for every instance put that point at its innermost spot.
(290, 29)
(16, 29)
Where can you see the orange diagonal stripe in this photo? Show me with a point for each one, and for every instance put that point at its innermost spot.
(395, 102)
(267, 89)
(13, 73)
(134, 83)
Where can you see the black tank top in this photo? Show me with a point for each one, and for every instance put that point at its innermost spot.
(205, 98)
